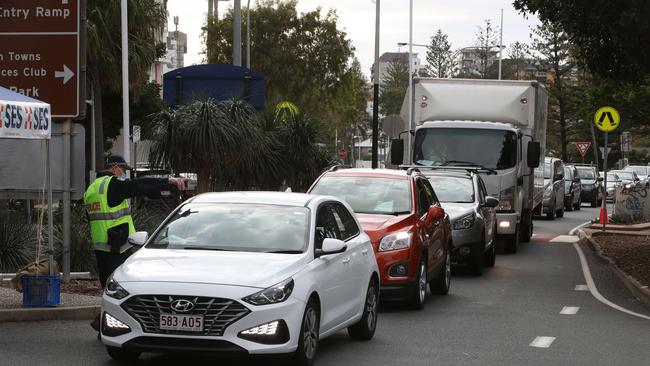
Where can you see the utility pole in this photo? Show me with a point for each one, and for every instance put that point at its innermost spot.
(500, 43)
(209, 30)
(375, 96)
(125, 82)
(410, 91)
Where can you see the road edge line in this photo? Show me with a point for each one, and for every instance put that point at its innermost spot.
(594, 290)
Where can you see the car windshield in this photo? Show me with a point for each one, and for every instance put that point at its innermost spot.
(547, 170)
(567, 173)
(611, 177)
(627, 175)
(368, 194)
(235, 227)
(453, 189)
(640, 170)
(586, 174)
(492, 149)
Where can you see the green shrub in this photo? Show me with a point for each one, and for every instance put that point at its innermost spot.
(17, 245)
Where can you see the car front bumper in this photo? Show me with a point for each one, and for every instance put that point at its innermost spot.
(290, 311)
(471, 238)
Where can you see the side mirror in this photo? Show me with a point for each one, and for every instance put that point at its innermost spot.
(576, 179)
(331, 246)
(434, 213)
(491, 202)
(600, 179)
(138, 238)
(533, 154)
(396, 151)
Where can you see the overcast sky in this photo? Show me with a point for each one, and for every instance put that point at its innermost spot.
(458, 18)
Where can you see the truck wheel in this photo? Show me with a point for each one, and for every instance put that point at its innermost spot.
(551, 213)
(526, 226)
(511, 243)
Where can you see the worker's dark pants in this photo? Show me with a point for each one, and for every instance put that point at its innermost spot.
(107, 263)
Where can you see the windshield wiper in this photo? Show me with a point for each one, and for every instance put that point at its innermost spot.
(461, 163)
(208, 248)
(285, 251)
(396, 213)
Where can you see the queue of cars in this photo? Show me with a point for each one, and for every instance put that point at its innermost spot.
(273, 273)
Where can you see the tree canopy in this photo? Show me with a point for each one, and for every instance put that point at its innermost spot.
(611, 37)
(305, 57)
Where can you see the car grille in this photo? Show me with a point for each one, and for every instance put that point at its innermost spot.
(217, 313)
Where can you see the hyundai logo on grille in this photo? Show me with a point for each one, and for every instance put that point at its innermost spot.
(182, 306)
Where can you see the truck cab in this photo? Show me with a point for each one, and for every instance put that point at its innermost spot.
(498, 127)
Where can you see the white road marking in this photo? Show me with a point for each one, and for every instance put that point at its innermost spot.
(570, 310)
(594, 290)
(565, 239)
(573, 231)
(581, 288)
(542, 342)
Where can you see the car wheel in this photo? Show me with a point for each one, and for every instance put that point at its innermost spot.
(309, 332)
(476, 262)
(120, 354)
(491, 256)
(560, 212)
(440, 285)
(551, 213)
(419, 293)
(578, 205)
(594, 201)
(364, 329)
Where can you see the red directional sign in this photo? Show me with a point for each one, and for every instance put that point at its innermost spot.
(40, 52)
(583, 147)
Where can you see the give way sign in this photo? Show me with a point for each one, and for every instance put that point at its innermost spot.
(583, 147)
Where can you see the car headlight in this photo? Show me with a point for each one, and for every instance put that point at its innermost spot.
(506, 198)
(465, 222)
(114, 290)
(395, 241)
(272, 295)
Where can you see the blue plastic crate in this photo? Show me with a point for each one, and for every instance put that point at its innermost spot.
(41, 290)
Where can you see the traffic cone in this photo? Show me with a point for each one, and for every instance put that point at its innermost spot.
(603, 216)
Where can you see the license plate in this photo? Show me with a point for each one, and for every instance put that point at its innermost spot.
(187, 323)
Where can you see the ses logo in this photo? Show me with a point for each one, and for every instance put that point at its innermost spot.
(24, 119)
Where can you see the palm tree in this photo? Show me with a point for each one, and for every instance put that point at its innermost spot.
(146, 21)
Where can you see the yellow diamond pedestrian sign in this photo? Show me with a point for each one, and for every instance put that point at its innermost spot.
(607, 119)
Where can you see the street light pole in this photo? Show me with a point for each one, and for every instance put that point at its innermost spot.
(236, 34)
(248, 34)
(410, 93)
(500, 43)
(375, 97)
(125, 81)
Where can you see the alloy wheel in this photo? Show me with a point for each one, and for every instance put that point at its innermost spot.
(371, 307)
(310, 333)
(422, 286)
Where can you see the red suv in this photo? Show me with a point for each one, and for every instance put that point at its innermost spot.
(410, 231)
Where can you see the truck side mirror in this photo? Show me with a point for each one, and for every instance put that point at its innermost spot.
(396, 151)
(534, 152)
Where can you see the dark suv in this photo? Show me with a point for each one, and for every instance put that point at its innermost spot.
(409, 230)
(592, 189)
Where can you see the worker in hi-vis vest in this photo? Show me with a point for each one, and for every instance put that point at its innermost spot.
(109, 212)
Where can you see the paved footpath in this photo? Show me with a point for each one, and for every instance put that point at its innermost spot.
(530, 309)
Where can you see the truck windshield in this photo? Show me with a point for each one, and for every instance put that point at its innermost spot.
(492, 149)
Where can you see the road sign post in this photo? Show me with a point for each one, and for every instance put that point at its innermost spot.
(607, 120)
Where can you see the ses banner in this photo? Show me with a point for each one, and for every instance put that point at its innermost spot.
(25, 120)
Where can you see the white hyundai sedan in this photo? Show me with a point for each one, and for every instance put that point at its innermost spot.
(244, 272)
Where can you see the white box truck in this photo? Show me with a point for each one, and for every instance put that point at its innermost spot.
(495, 126)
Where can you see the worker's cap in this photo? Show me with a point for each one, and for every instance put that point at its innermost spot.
(117, 160)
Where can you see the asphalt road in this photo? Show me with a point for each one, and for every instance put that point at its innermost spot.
(489, 320)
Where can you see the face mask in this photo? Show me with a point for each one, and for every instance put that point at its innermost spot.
(123, 177)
